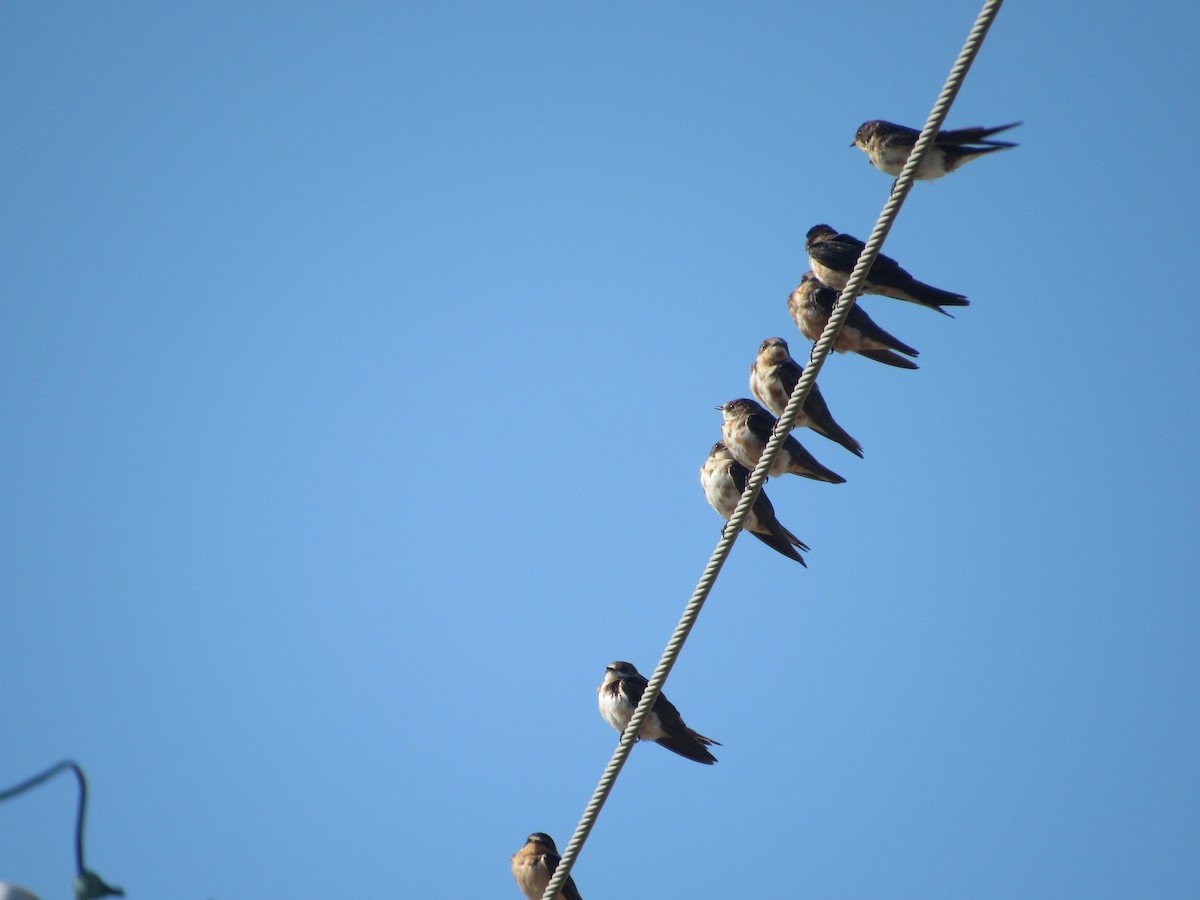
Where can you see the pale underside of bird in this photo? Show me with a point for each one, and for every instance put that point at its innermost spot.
(773, 378)
(747, 429)
(889, 145)
(724, 480)
(534, 865)
(833, 256)
(619, 695)
(810, 306)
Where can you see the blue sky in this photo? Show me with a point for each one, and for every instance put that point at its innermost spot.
(358, 361)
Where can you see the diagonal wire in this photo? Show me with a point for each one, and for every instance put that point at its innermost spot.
(820, 352)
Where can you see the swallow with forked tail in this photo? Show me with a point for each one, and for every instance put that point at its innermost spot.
(888, 146)
(811, 305)
(773, 377)
(724, 481)
(747, 429)
(620, 693)
(833, 255)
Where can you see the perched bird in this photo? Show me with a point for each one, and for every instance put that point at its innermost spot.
(888, 146)
(832, 257)
(773, 377)
(724, 481)
(620, 693)
(533, 866)
(746, 430)
(811, 304)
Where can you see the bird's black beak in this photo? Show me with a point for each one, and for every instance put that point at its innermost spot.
(854, 143)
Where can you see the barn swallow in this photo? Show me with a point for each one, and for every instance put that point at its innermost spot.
(888, 146)
(724, 480)
(811, 304)
(746, 430)
(832, 257)
(620, 693)
(533, 866)
(773, 377)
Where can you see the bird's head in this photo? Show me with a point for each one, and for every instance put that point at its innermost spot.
(866, 131)
(742, 407)
(540, 837)
(819, 233)
(619, 669)
(773, 349)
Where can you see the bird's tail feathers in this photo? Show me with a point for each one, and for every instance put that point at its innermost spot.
(936, 298)
(888, 358)
(785, 542)
(836, 433)
(981, 135)
(690, 748)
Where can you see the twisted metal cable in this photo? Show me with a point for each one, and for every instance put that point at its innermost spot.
(783, 428)
(895, 200)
